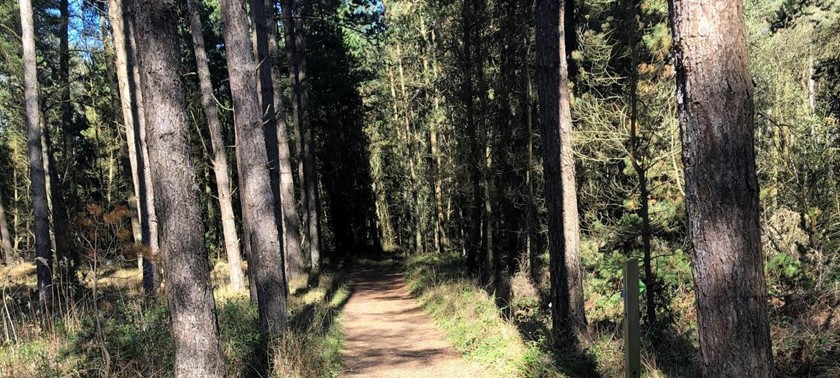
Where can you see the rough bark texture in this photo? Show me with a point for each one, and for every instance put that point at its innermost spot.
(193, 312)
(220, 163)
(567, 313)
(295, 265)
(296, 51)
(5, 236)
(715, 101)
(38, 185)
(67, 257)
(265, 266)
(476, 157)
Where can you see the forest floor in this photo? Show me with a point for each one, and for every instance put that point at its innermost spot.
(388, 334)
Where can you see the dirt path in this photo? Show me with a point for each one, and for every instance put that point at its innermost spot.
(387, 334)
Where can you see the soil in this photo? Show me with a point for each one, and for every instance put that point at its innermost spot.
(387, 333)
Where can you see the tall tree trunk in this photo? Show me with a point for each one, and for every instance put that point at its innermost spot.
(259, 222)
(128, 81)
(295, 264)
(715, 101)
(220, 163)
(194, 326)
(296, 50)
(5, 236)
(567, 315)
(67, 258)
(473, 242)
(38, 186)
(272, 101)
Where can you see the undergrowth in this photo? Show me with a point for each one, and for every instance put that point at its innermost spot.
(121, 334)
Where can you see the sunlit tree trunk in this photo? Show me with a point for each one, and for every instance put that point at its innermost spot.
(259, 222)
(567, 313)
(38, 186)
(5, 236)
(220, 163)
(193, 314)
(128, 81)
(715, 101)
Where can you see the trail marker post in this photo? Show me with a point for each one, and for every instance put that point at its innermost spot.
(632, 332)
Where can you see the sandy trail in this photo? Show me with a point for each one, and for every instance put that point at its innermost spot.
(387, 334)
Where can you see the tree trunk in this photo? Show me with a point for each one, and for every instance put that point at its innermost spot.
(296, 51)
(260, 224)
(38, 186)
(128, 81)
(473, 241)
(567, 315)
(220, 163)
(270, 79)
(5, 236)
(715, 101)
(193, 310)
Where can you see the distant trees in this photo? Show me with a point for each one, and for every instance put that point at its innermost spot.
(190, 296)
(715, 99)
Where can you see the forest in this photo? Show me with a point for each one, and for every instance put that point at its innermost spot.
(419, 188)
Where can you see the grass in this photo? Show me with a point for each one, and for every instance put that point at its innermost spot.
(471, 319)
(119, 333)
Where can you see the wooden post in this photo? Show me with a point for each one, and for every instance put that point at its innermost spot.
(632, 333)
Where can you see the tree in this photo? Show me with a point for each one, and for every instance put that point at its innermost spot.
(567, 313)
(296, 52)
(34, 124)
(190, 295)
(271, 97)
(134, 119)
(715, 101)
(5, 236)
(220, 163)
(259, 222)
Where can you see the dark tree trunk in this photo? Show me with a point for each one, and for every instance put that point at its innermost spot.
(67, 258)
(265, 264)
(296, 51)
(220, 162)
(715, 101)
(38, 181)
(567, 314)
(475, 158)
(193, 309)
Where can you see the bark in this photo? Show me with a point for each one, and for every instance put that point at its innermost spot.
(5, 236)
(567, 315)
(475, 159)
(67, 258)
(295, 264)
(259, 222)
(193, 318)
(265, 92)
(296, 51)
(38, 186)
(220, 163)
(715, 102)
(128, 82)
(271, 90)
